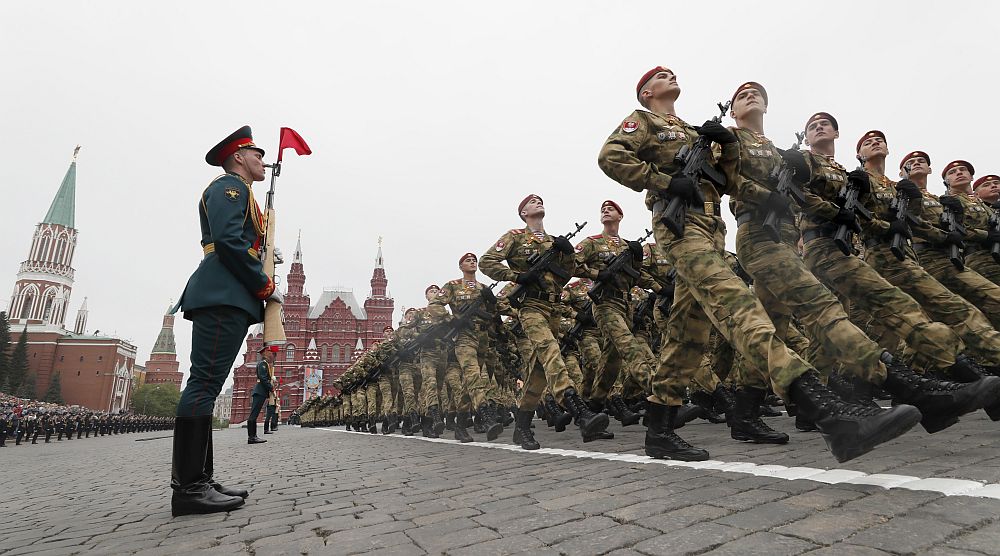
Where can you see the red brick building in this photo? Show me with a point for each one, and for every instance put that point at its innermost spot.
(162, 367)
(336, 326)
(96, 371)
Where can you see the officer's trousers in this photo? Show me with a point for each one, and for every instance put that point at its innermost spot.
(258, 404)
(216, 338)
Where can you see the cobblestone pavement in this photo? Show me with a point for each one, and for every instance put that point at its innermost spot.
(317, 491)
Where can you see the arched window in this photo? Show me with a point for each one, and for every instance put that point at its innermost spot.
(289, 352)
(323, 353)
(60, 250)
(47, 312)
(27, 305)
(43, 248)
(335, 354)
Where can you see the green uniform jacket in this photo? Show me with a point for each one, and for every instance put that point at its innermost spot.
(231, 272)
(263, 387)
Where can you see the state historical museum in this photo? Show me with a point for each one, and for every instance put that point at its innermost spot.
(323, 339)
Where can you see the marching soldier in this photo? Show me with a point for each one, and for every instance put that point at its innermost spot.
(222, 298)
(986, 189)
(538, 317)
(640, 155)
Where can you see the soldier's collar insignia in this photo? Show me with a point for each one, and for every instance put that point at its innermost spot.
(232, 193)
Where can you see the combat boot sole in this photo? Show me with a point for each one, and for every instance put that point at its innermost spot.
(660, 450)
(772, 437)
(493, 431)
(848, 438)
(993, 410)
(689, 412)
(593, 425)
(561, 420)
(603, 435)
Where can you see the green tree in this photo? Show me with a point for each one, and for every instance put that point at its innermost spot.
(157, 400)
(4, 347)
(27, 387)
(54, 393)
(17, 367)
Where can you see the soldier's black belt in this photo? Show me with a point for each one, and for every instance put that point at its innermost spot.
(542, 296)
(745, 218)
(815, 233)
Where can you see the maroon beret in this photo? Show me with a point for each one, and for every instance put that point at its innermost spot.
(822, 116)
(750, 85)
(956, 163)
(914, 154)
(466, 256)
(428, 288)
(984, 179)
(647, 76)
(610, 203)
(869, 135)
(520, 206)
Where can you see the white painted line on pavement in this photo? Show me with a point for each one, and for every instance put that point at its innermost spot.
(948, 487)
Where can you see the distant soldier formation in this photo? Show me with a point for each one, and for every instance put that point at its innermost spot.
(31, 422)
(846, 287)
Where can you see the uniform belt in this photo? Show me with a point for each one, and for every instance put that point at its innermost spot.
(708, 209)
(810, 235)
(744, 218)
(542, 296)
(873, 242)
(210, 248)
(921, 247)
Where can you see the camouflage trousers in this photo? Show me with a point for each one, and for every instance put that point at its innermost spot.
(708, 293)
(941, 304)
(371, 397)
(590, 354)
(982, 262)
(933, 343)
(971, 285)
(618, 348)
(475, 383)
(541, 324)
(441, 383)
(407, 386)
(573, 365)
(388, 391)
(785, 287)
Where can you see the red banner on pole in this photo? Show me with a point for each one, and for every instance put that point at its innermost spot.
(292, 140)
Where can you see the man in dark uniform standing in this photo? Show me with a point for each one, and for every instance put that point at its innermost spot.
(222, 298)
(261, 391)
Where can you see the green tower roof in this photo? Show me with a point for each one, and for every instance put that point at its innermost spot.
(63, 208)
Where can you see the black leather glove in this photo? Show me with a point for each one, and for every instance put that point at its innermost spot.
(778, 203)
(526, 278)
(683, 187)
(563, 245)
(860, 180)
(636, 248)
(954, 238)
(992, 236)
(952, 204)
(898, 227)
(488, 296)
(605, 276)
(717, 132)
(908, 189)
(796, 161)
(848, 218)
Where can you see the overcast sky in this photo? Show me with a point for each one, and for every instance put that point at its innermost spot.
(428, 121)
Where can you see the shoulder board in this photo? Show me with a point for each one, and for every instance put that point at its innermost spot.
(516, 231)
(456, 281)
(598, 236)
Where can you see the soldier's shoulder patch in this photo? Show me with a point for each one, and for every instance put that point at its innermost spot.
(579, 247)
(500, 245)
(628, 126)
(232, 193)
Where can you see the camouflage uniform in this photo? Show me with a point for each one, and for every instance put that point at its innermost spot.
(934, 343)
(589, 348)
(538, 315)
(471, 343)
(640, 155)
(978, 257)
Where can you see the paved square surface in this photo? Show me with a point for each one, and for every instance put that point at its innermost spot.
(319, 491)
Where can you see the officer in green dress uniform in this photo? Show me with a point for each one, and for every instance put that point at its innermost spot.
(261, 392)
(223, 298)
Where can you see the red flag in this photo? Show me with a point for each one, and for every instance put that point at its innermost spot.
(291, 139)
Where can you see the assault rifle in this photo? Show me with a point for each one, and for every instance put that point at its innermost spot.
(951, 222)
(787, 187)
(899, 207)
(695, 161)
(464, 318)
(643, 312)
(621, 263)
(540, 264)
(666, 299)
(848, 200)
(994, 224)
(584, 320)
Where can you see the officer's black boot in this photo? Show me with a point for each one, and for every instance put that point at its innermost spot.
(490, 425)
(437, 421)
(461, 421)
(522, 431)
(192, 493)
(941, 402)
(661, 440)
(557, 417)
(252, 437)
(706, 401)
(590, 423)
(267, 426)
(849, 430)
(965, 370)
(617, 409)
(507, 414)
(449, 421)
(747, 424)
(210, 471)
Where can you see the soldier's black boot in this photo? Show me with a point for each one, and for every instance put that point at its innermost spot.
(373, 424)
(522, 431)
(393, 422)
(747, 425)
(489, 421)
(210, 472)
(965, 370)
(724, 401)
(461, 421)
(414, 423)
(427, 427)
(941, 402)
(192, 492)
(252, 437)
(661, 440)
(590, 423)
(617, 409)
(437, 421)
(687, 413)
(406, 425)
(449, 421)
(557, 417)
(804, 425)
(706, 401)
(849, 430)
